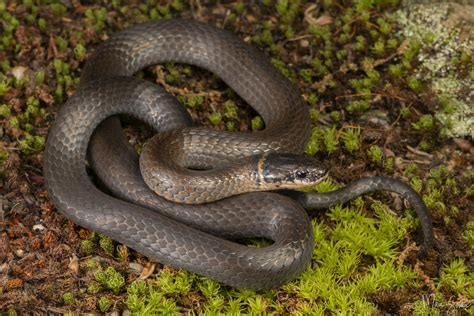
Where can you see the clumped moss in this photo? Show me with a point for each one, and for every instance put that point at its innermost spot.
(4, 110)
(32, 144)
(107, 244)
(110, 279)
(68, 298)
(215, 118)
(351, 139)
(104, 304)
(425, 123)
(257, 123)
(87, 246)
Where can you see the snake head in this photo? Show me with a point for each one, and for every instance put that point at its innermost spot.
(289, 171)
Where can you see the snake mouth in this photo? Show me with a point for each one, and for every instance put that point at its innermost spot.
(289, 171)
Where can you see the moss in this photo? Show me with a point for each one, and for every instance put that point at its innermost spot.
(457, 276)
(424, 124)
(104, 304)
(107, 244)
(110, 279)
(358, 106)
(330, 139)
(230, 110)
(87, 246)
(195, 101)
(215, 118)
(5, 110)
(32, 144)
(93, 287)
(313, 145)
(257, 123)
(306, 75)
(79, 52)
(351, 139)
(283, 69)
(469, 234)
(375, 154)
(39, 77)
(68, 298)
(57, 9)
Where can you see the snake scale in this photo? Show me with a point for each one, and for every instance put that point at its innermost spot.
(197, 237)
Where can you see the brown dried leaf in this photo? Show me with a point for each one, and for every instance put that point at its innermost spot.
(74, 264)
(324, 20)
(147, 270)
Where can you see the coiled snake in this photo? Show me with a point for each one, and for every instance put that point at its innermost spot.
(196, 237)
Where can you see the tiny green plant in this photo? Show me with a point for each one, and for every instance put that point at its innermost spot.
(110, 279)
(104, 304)
(257, 123)
(375, 154)
(215, 118)
(351, 139)
(68, 298)
(424, 124)
(107, 244)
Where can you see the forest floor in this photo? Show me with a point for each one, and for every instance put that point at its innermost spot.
(375, 108)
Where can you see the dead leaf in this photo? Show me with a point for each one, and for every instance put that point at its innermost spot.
(74, 264)
(324, 20)
(147, 270)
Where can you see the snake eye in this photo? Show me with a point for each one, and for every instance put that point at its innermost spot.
(301, 174)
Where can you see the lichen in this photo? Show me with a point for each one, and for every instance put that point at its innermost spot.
(441, 47)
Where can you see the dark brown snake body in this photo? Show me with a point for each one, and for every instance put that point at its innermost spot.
(193, 237)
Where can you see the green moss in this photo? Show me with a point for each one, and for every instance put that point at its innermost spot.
(306, 75)
(230, 110)
(144, 299)
(195, 101)
(110, 279)
(42, 24)
(379, 47)
(257, 123)
(79, 52)
(283, 69)
(330, 139)
(469, 234)
(458, 277)
(11, 312)
(414, 84)
(335, 116)
(60, 42)
(32, 144)
(91, 264)
(104, 304)
(68, 298)
(107, 244)
(312, 99)
(96, 18)
(87, 246)
(395, 70)
(39, 77)
(358, 106)
(57, 9)
(351, 139)
(215, 118)
(424, 124)
(5, 110)
(93, 287)
(4, 87)
(375, 154)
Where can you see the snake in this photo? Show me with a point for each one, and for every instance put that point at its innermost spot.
(246, 180)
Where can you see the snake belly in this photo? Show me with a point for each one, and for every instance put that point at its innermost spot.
(192, 237)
